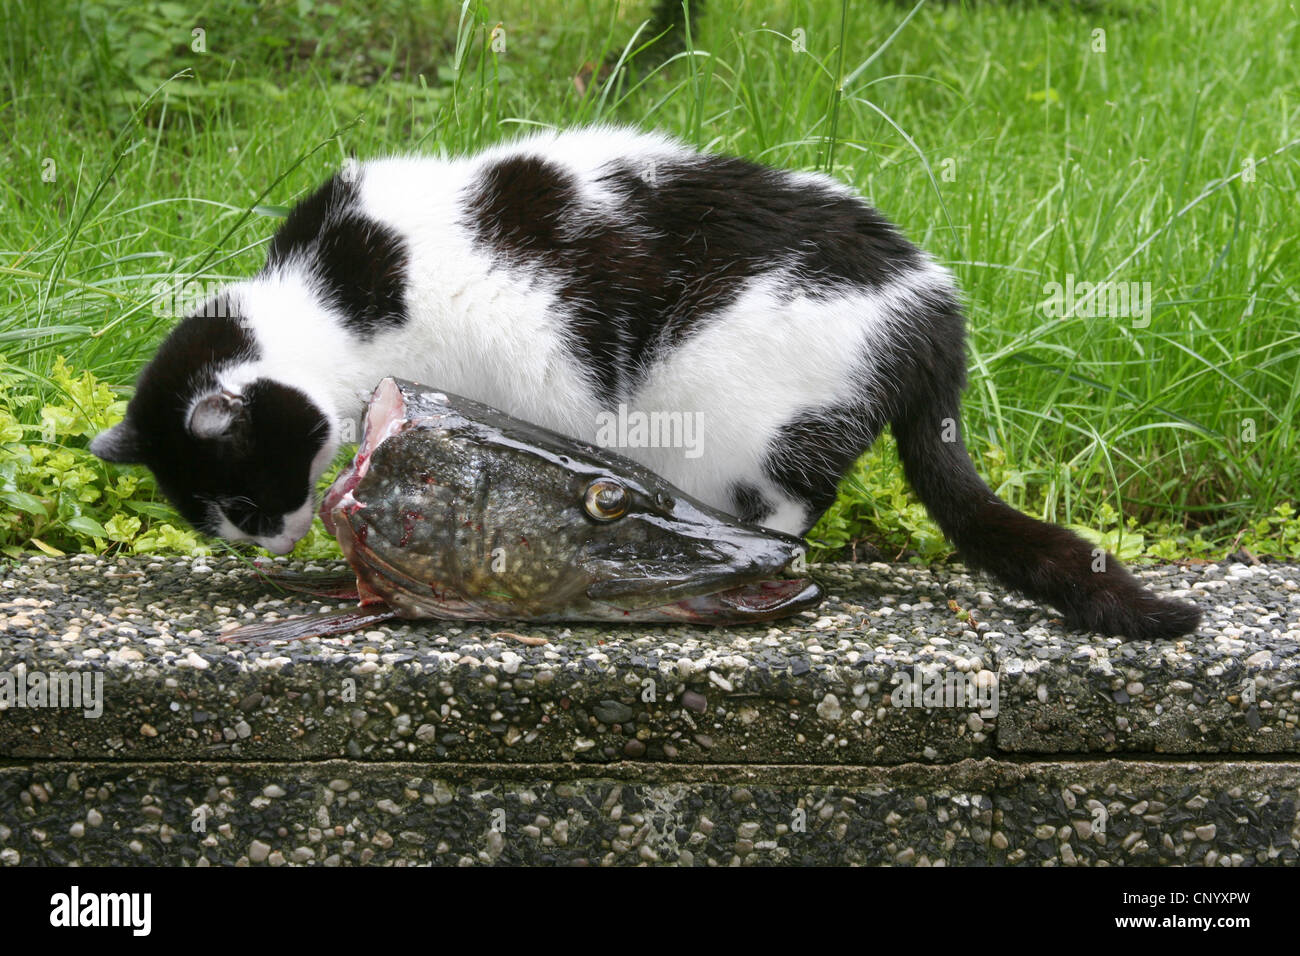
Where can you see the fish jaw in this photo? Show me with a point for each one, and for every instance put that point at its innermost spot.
(715, 570)
(728, 599)
(745, 604)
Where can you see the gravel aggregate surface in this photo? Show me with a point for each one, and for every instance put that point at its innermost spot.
(822, 688)
(974, 812)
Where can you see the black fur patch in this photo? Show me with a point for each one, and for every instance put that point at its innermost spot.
(185, 366)
(302, 227)
(815, 451)
(748, 503)
(818, 447)
(269, 466)
(361, 263)
(523, 205)
(683, 238)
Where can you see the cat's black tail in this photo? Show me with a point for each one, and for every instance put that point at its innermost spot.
(1044, 562)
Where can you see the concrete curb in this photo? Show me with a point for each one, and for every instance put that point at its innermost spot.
(431, 743)
(824, 688)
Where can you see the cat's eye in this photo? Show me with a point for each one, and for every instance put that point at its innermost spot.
(606, 499)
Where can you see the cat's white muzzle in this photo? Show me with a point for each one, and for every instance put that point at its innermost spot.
(296, 525)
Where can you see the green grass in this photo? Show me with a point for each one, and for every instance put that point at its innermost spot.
(992, 132)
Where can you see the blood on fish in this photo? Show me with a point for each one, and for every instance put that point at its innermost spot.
(368, 595)
(409, 518)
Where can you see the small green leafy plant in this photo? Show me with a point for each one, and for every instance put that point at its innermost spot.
(876, 507)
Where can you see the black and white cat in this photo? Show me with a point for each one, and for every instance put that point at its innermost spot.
(567, 274)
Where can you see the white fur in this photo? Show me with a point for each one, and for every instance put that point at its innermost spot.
(758, 363)
(496, 334)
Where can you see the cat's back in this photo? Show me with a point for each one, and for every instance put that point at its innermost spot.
(554, 274)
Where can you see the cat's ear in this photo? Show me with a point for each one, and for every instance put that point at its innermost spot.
(216, 415)
(120, 444)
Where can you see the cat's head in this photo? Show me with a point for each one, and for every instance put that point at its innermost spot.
(238, 453)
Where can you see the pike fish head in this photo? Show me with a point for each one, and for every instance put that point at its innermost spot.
(454, 509)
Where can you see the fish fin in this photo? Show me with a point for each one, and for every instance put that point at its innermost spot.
(326, 584)
(324, 624)
(532, 640)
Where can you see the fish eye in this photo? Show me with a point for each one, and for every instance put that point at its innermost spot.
(606, 499)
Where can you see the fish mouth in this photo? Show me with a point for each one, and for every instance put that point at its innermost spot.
(748, 603)
(728, 599)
